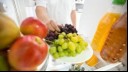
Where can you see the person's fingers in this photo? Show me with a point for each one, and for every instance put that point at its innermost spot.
(60, 25)
(55, 25)
(49, 25)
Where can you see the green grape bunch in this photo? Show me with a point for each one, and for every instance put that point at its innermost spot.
(68, 45)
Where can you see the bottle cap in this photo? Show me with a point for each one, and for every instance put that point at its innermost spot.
(119, 2)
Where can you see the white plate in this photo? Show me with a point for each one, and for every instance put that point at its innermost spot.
(82, 57)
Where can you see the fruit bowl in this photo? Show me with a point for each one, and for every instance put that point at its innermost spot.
(68, 46)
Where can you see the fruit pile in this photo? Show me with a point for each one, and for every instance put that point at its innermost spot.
(22, 49)
(69, 45)
(66, 42)
(67, 28)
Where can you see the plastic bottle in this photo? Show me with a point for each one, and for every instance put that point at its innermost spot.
(106, 23)
(115, 45)
(92, 61)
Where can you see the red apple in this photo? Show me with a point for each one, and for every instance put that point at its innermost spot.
(32, 26)
(27, 53)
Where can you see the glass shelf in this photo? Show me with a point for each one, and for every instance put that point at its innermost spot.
(58, 66)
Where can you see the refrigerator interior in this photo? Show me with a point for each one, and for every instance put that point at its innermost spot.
(89, 13)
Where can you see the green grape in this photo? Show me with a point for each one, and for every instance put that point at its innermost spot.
(81, 43)
(60, 49)
(60, 36)
(68, 50)
(55, 55)
(73, 53)
(69, 35)
(63, 33)
(61, 54)
(71, 46)
(74, 34)
(52, 50)
(56, 42)
(78, 50)
(66, 53)
(85, 44)
(83, 48)
(80, 38)
(65, 45)
(61, 41)
(74, 39)
(69, 55)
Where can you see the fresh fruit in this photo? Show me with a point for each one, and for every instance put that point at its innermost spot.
(61, 41)
(56, 55)
(60, 49)
(73, 53)
(74, 39)
(32, 26)
(67, 45)
(27, 53)
(52, 50)
(67, 29)
(4, 65)
(71, 46)
(67, 42)
(78, 50)
(63, 33)
(61, 36)
(9, 31)
(69, 35)
(61, 54)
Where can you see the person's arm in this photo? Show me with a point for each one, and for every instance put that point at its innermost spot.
(41, 13)
(73, 17)
(73, 13)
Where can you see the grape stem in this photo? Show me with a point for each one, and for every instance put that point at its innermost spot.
(49, 41)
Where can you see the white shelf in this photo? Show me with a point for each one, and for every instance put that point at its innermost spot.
(108, 67)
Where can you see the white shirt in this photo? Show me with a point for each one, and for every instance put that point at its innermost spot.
(58, 10)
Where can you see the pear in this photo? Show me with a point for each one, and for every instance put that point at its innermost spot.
(9, 31)
(4, 65)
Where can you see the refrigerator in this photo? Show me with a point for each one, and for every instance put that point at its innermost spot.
(88, 14)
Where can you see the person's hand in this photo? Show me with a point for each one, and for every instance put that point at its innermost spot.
(52, 25)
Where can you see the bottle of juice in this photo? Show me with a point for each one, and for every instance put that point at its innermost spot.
(106, 23)
(92, 61)
(115, 45)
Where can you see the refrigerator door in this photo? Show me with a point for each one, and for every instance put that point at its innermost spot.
(92, 13)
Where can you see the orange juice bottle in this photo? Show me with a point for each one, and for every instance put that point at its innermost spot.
(106, 23)
(116, 43)
(92, 61)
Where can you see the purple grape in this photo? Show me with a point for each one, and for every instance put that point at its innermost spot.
(68, 28)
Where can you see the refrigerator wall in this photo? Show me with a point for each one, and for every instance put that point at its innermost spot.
(9, 9)
(86, 24)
